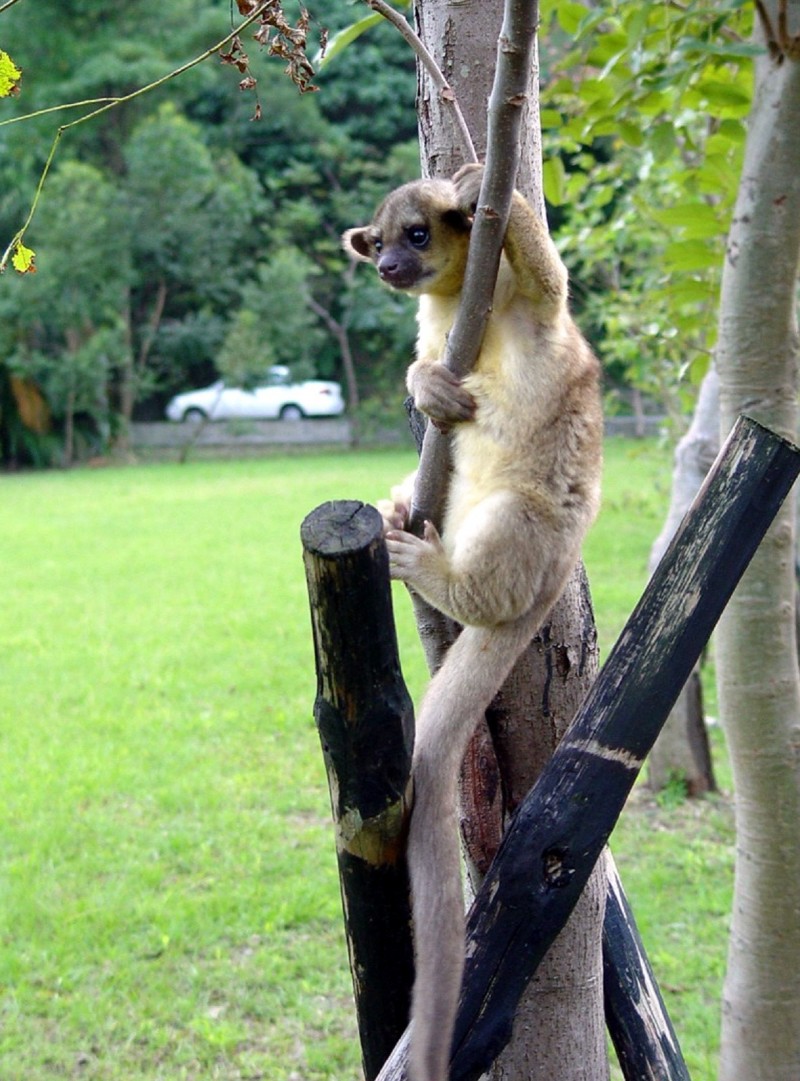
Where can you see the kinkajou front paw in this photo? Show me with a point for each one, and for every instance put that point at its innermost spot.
(394, 515)
(396, 510)
(440, 394)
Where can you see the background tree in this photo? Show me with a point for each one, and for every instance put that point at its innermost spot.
(63, 326)
(210, 203)
(230, 193)
(652, 125)
(707, 63)
(757, 358)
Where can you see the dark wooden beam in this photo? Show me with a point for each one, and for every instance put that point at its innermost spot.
(637, 1020)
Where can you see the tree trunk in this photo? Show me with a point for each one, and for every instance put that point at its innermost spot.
(759, 691)
(462, 35)
(682, 749)
(559, 1028)
(69, 426)
(126, 377)
(74, 341)
(559, 1031)
(150, 331)
(682, 755)
(338, 331)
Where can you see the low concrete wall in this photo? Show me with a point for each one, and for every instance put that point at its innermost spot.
(627, 426)
(239, 438)
(238, 433)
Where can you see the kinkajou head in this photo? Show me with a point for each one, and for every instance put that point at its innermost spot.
(418, 239)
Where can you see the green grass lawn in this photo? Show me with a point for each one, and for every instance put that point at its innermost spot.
(169, 905)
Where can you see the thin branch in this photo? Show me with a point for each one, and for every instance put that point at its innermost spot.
(509, 93)
(8, 4)
(446, 92)
(112, 103)
(54, 108)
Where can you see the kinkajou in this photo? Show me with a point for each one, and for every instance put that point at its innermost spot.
(527, 452)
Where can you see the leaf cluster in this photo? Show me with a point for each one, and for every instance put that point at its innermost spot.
(9, 76)
(644, 114)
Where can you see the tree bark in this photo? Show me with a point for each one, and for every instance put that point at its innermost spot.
(559, 1027)
(74, 341)
(759, 690)
(462, 35)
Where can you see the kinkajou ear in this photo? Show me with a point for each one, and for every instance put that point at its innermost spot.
(356, 243)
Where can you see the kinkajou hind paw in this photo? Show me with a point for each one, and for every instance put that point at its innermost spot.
(396, 510)
(407, 553)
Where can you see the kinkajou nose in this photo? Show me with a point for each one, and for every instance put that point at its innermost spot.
(387, 267)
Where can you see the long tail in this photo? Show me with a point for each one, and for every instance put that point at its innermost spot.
(473, 671)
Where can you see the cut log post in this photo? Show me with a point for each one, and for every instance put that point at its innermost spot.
(366, 726)
(563, 824)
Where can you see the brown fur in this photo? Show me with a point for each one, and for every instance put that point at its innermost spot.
(527, 435)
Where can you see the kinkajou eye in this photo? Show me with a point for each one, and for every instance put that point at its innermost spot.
(419, 236)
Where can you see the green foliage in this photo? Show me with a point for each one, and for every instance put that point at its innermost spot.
(345, 37)
(246, 352)
(383, 324)
(23, 259)
(63, 326)
(275, 324)
(209, 206)
(644, 118)
(205, 197)
(89, 259)
(9, 75)
(675, 791)
(280, 297)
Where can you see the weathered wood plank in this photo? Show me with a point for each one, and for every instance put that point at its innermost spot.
(643, 1036)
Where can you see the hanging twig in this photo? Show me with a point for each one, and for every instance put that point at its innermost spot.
(434, 71)
(112, 103)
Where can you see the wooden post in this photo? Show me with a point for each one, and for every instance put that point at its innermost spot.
(563, 824)
(365, 720)
(636, 1018)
